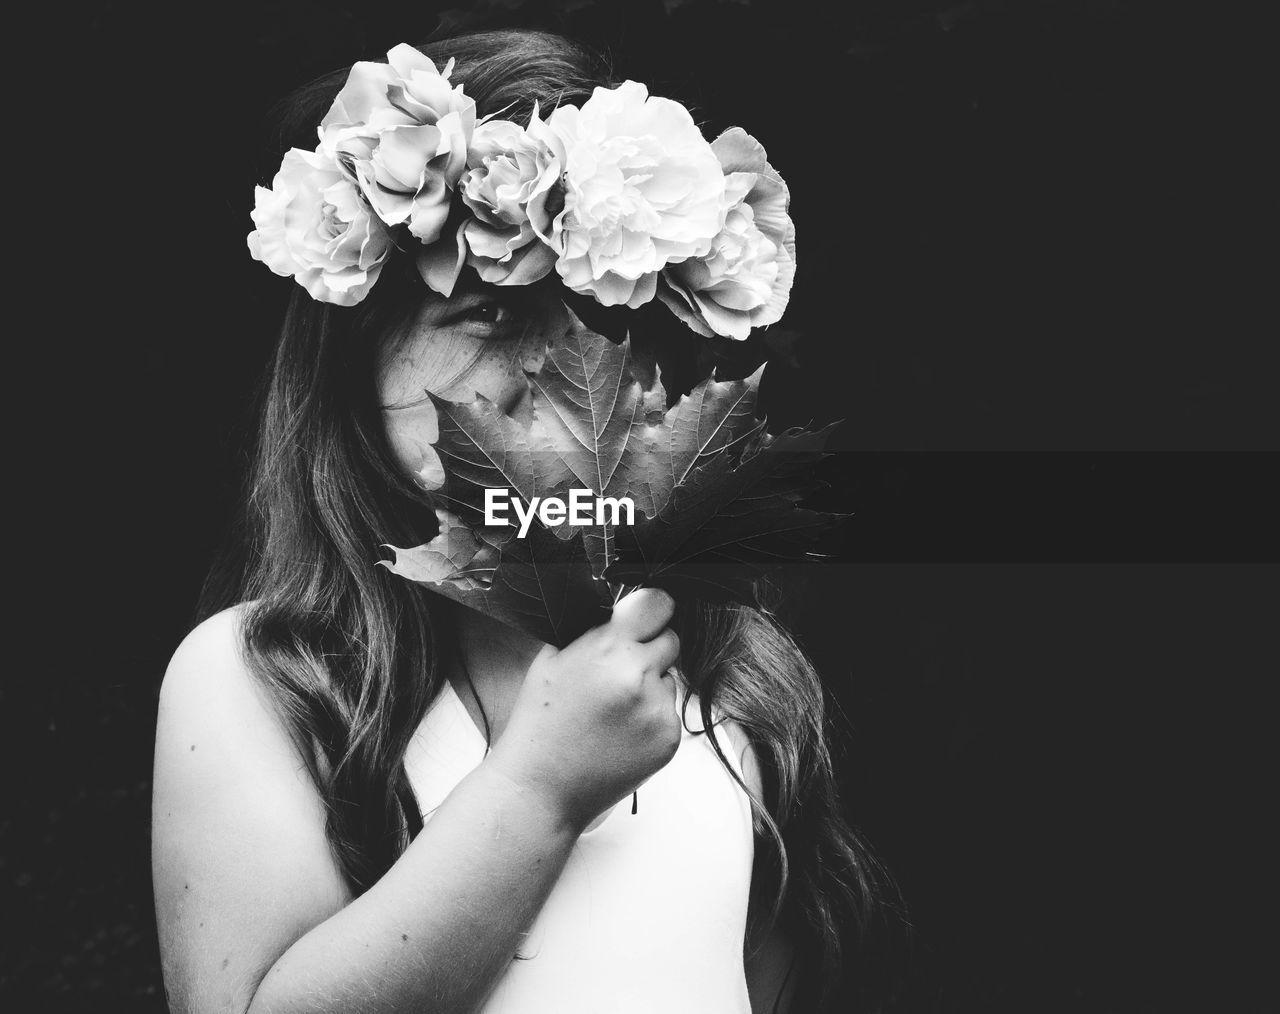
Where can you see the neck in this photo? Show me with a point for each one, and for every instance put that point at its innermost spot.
(496, 658)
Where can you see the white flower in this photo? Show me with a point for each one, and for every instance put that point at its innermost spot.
(313, 225)
(623, 196)
(513, 174)
(643, 189)
(402, 132)
(744, 280)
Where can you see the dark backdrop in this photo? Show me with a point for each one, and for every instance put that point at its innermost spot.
(1024, 227)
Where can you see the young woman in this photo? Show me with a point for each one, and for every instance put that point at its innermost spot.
(370, 799)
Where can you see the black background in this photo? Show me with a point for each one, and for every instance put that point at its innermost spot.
(1037, 227)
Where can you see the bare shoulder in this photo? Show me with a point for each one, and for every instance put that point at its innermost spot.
(211, 702)
(745, 753)
(209, 667)
(240, 860)
(768, 963)
(217, 730)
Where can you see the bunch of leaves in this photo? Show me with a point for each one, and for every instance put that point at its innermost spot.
(716, 495)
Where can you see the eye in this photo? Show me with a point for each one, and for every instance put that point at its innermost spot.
(484, 316)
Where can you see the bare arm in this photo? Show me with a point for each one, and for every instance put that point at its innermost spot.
(253, 912)
(444, 922)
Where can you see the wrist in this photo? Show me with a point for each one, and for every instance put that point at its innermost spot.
(543, 803)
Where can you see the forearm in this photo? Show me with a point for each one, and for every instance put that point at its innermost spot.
(439, 928)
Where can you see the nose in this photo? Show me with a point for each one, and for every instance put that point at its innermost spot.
(519, 402)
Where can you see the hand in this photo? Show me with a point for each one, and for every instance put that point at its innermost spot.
(596, 718)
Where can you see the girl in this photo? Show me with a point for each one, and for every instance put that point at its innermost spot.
(370, 799)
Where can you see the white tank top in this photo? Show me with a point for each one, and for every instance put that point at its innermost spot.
(650, 910)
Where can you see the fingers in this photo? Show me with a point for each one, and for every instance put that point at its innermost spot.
(668, 691)
(671, 687)
(644, 613)
(663, 651)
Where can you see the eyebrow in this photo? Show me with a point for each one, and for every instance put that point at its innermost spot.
(435, 308)
(439, 306)
(470, 291)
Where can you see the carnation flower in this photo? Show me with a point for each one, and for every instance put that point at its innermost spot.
(313, 225)
(512, 176)
(402, 132)
(643, 189)
(744, 280)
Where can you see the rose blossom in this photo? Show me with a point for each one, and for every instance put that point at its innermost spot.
(512, 175)
(744, 281)
(402, 132)
(642, 189)
(313, 225)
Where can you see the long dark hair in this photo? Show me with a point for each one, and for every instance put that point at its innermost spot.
(348, 653)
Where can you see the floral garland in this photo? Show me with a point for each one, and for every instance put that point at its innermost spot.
(624, 198)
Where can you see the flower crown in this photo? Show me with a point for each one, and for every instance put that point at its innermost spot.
(623, 197)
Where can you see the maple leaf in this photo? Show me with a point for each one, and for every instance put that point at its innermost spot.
(588, 406)
(716, 495)
(730, 517)
(541, 584)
